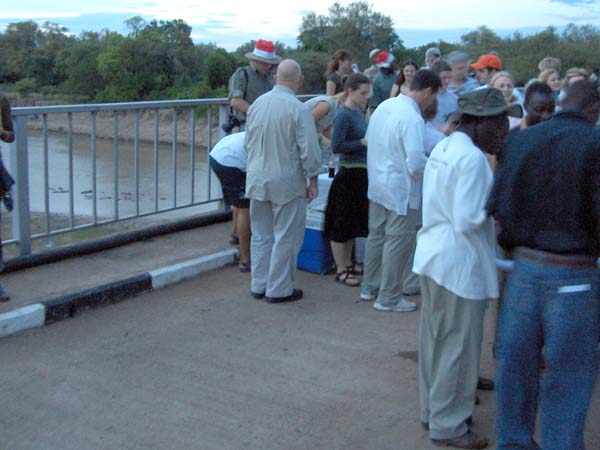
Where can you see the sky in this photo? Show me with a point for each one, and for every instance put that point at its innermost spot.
(230, 23)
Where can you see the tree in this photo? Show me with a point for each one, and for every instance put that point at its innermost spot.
(41, 63)
(355, 27)
(18, 42)
(313, 66)
(79, 62)
(135, 25)
(221, 65)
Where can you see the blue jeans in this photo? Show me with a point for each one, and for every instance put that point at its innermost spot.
(550, 313)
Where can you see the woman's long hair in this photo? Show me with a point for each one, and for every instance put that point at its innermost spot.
(334, 62)
(400, 78)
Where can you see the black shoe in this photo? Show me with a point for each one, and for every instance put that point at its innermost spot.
(468, 440)
(258, 295)
(4, 297)
(296, 295)
(468, 421)
(485, 384)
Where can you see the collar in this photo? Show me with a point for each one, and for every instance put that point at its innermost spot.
(572, 114)
(412, 102)
(255, 70)
(283, 89)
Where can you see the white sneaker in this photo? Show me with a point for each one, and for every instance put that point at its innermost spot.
(367, 296)
(402, 306)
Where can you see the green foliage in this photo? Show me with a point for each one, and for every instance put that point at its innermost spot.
(220, 66)
(80, 65)
(24, 87)
(313, 64)
(158, 60)
(17, 42)
(355, 27)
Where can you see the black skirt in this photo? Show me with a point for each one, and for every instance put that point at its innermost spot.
(347, 212)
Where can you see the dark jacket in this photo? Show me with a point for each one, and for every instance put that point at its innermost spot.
(546, 192)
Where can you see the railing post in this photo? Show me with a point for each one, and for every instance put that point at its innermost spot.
(223, 115)
(19, 169)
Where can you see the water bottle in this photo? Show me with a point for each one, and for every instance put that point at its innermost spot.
(331, 165)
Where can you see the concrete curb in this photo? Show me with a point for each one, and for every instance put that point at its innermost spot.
(179, 272)
(60, 308)
(31, 316)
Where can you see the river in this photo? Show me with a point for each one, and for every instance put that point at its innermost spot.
(58, 186)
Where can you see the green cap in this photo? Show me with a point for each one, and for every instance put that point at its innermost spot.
(485, 103)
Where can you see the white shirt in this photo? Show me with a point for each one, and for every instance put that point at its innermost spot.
(396, 154)
(456, 246)
(229, 151)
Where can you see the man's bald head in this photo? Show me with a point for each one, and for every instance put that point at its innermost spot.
(289, 74)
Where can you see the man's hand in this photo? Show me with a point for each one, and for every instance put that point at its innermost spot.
(239, 103)
(312, 190)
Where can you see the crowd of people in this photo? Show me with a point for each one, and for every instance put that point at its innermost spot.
(450, 172)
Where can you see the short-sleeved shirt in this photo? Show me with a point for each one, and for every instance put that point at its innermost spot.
(255, 86)
(327, 120)
(336, 78)
(229, 151)
(382, 86)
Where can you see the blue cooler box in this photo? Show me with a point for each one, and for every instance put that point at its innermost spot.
(315, 254)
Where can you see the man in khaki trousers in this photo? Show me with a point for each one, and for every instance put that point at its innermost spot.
(455, 258)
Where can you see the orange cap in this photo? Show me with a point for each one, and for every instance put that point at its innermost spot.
(488, 60)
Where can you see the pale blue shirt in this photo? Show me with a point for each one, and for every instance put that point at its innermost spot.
(469, 84)
(282, 147)
(447, 104)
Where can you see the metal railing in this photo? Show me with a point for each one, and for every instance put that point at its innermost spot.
(160, 197)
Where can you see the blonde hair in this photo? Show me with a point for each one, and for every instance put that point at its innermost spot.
(573, 72)
(498, 75)
(546, 74)
(549, 62)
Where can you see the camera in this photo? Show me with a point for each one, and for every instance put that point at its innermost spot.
(231, 123)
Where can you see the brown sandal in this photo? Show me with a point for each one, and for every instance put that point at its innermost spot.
(347, 278)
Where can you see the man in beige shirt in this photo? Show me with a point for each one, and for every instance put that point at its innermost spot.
(283, 151)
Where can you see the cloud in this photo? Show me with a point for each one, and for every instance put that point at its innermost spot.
(575, 2)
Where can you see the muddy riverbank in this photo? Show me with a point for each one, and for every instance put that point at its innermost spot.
(105, 126)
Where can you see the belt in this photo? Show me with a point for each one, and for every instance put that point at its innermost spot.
(556, 259)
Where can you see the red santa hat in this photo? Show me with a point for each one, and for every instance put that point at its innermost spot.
(384, 59)
(264, 51)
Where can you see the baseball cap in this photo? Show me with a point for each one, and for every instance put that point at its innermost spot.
(488, 60)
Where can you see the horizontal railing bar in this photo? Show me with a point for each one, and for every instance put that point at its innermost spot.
(160, 104)
(111, 221)
(123, 106)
